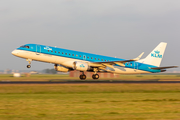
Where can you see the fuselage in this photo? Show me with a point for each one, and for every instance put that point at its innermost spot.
(67, 57)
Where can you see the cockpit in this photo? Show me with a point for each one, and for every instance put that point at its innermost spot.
(24, 46)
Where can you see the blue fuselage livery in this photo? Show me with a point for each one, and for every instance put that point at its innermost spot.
(66, 60)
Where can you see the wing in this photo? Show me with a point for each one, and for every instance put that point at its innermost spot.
(159, 68)
(110, 64)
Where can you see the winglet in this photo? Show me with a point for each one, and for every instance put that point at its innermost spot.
(136, 59)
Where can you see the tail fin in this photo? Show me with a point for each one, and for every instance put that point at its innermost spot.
(155, 57)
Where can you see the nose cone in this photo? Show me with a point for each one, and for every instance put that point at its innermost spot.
(14, 52)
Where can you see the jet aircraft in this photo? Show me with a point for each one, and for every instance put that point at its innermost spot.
(65, 60)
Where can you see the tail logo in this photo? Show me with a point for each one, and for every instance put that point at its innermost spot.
(156, 54)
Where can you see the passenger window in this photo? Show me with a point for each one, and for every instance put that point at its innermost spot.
(66, 53)
(105, 60)
(69, 54)
(84, 56)
(98, 59)
(80, 56)
(95, 58)
(62, 53)
(91, 57)
(48, 50)
(102, 59)
(76, 55)
(72, 54)
(55, 51)
(88, 57)
(59, 52)
(51, 51)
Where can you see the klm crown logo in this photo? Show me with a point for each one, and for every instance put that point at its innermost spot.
(82, 65)
(47, 48)
(156, 54)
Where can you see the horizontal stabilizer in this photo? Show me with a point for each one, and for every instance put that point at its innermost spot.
(155, 68)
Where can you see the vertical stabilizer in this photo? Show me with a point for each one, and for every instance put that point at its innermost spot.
(155, 57)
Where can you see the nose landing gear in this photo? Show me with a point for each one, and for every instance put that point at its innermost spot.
(28, 66)
(29, 61)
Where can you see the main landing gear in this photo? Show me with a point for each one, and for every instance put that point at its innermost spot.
(94, 76)
(29, 61)
(82, 76)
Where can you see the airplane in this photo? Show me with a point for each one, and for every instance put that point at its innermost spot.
(66, 60)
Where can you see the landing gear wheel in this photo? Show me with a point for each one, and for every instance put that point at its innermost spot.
(28, 66)
(95, 76)
(82, 77)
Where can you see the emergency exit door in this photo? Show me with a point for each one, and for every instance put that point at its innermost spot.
(38, 49)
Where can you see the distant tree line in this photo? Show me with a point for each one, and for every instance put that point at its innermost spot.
(50, 71)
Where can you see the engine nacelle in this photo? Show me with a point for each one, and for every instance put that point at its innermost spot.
(81, 66)
(61, 68)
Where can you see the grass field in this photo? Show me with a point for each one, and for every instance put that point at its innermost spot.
(90, 102)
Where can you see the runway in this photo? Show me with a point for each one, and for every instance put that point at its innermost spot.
(89, 82)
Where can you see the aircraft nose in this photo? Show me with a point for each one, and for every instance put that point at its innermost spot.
(14, 52)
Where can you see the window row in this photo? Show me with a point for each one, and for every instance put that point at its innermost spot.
(77, 55)
(128, 63)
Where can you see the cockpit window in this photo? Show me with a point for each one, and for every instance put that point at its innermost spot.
(24, 46)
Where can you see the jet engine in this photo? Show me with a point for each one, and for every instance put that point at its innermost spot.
(81, 66)
(61, 68)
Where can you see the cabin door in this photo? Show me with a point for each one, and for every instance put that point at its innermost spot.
(135, 65)
(38, 49)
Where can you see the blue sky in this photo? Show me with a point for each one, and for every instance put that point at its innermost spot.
(121, 28)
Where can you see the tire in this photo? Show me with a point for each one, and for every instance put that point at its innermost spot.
(28, 66)
(95, 76)
(82, 77)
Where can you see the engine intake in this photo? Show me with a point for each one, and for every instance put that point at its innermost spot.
(81, 66)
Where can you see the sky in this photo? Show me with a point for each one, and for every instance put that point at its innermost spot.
(117, 28)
